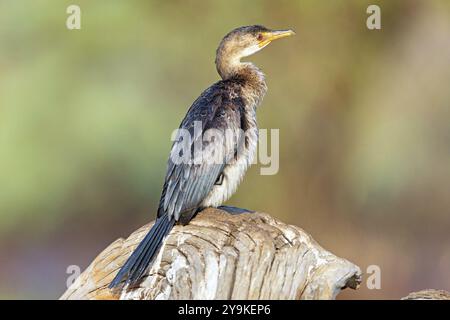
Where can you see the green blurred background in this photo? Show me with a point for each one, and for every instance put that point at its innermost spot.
(86, 118)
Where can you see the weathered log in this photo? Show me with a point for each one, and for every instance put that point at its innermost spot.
(223, 256)
(428, 294)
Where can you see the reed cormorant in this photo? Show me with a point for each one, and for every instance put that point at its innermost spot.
(229, 104)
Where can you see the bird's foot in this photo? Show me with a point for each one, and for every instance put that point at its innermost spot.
(234, 210)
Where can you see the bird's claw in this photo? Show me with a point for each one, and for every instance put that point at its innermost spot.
(234, 210)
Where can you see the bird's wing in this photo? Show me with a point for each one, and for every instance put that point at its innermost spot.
(188, 183)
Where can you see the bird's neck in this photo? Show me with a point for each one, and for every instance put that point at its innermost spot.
(231, 66)
(253, 84)
(250, 76)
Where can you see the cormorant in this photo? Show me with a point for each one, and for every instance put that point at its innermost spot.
(229, 104)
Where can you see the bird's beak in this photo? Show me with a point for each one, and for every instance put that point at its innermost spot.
(269, 36)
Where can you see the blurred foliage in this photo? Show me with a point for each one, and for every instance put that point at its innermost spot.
(86, 118)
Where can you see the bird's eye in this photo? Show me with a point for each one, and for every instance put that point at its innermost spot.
(259, 37)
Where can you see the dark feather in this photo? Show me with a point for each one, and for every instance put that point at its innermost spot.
(137, 263)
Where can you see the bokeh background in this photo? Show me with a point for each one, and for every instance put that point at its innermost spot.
(364, 119)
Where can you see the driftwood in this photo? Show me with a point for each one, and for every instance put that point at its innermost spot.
(223, 256)
(428, 294)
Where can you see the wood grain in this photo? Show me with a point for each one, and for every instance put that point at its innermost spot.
(223, 256)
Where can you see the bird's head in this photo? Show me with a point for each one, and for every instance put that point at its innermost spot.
(245, 41)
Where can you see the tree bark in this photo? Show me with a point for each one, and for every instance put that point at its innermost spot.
(223, 256)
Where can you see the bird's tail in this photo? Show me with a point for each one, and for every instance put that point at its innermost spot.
(137, 263)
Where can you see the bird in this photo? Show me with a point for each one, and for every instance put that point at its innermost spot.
(198, 183)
